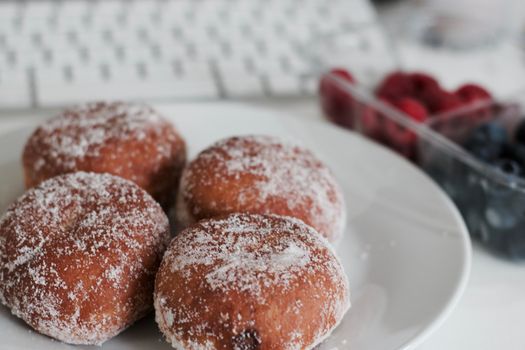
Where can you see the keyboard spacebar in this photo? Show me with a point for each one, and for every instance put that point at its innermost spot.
(59, 94)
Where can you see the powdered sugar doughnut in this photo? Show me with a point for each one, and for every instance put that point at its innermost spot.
(249, 281)
(262, 175)
(129, 140)
(78, 256)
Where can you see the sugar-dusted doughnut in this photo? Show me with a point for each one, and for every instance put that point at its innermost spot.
(248, 281)
(262, 175)
(132, 141)
(78, 256)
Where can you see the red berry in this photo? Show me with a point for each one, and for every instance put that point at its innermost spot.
(335, 101)
(444, 101)
(400, 138)
(471, 92)
(395, 85)
(423, 81)
(425, 87)
(371, 123)
(343, 73)
(413, 108)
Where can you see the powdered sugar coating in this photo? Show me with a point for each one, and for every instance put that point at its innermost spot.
(84, 130)
(78, 255)
(265, 175)
(132, 141)
(249, 282)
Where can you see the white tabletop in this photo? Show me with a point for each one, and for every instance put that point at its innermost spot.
(490, 314)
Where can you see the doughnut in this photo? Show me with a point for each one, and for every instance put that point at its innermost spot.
(249, 281)
(261, 175)
(132, 141)
(79, 254)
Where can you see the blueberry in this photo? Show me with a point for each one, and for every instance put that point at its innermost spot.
(473, 202)
(498, 189)
(519, 134)
(485, 151)
(515, 152)
(499, 218)
(508, 167)
(515, 247)
(504, 221)
(487, 141)
(491, 132)
(501, 227)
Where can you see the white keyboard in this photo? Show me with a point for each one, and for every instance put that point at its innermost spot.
(54, 53)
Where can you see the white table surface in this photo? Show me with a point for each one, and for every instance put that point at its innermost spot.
(489, 316)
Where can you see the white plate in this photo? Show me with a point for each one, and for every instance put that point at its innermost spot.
(406, 249)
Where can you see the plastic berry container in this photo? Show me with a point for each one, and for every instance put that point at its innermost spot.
(491, 200)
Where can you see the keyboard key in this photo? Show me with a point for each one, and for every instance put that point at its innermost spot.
(161, 72)
(239, 83)
(38, 9)
(72, 9)
(109, 7)
(8, 10)
(283, 84)
(124, 72)
(14, 89)
(200, 70)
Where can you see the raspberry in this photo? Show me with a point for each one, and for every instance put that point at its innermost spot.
(395, 85)
(425, 87)
(400, 138)
(423, 81)
(371, 123)
(335, 101)
(443, 101)
(472, 93)
(343, 73)
(413, 108)
(469, 93)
